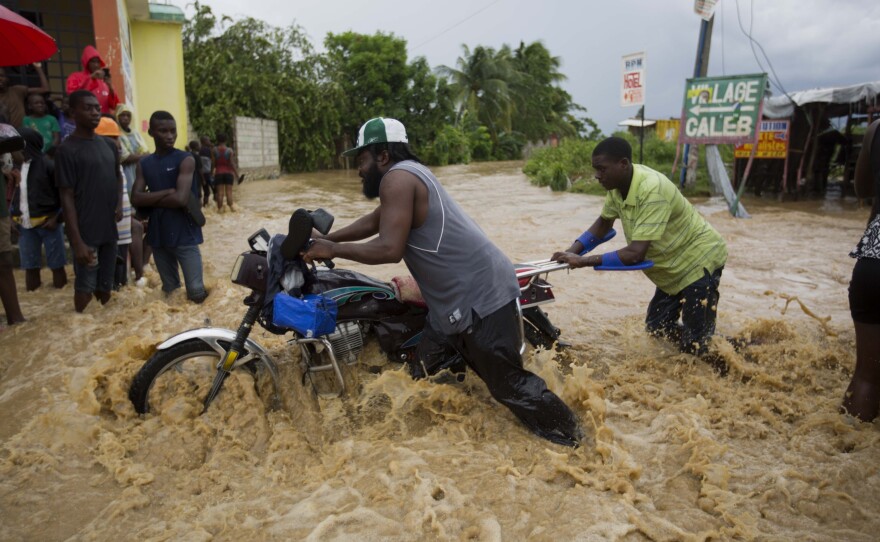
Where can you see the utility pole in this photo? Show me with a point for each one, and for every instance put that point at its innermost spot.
(701, 68)
(642, 136)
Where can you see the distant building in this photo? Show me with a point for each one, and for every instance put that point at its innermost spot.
(140, 41)
(665, 129)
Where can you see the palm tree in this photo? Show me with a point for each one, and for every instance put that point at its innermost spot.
(543, 107)
(482, 85)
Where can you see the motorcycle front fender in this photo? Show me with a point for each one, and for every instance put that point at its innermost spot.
(213, 336)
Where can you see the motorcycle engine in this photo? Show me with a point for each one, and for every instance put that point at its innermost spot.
(347, 342)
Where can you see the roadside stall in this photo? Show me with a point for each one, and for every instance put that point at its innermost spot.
(808, 138)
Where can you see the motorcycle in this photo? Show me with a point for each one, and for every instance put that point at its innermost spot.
(391, 312)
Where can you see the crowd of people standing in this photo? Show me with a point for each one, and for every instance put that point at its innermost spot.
(83, 173)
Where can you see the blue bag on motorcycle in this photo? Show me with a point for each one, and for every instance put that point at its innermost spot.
(311, 315)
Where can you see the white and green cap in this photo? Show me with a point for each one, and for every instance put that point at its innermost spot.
(378, 130)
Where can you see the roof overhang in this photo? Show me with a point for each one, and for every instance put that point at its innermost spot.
(779, 107)
(638, 123)
(166, 13)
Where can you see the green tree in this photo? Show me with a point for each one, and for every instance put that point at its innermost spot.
(428, 105)
(372, 73)
(543, 107)
(376, 79)
(481, 85)
(250, 68)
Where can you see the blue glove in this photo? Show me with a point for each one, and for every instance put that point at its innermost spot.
(611, 262)
(590, 241)
(611, 259)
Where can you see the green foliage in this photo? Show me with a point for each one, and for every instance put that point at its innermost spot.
(247, 67)
(542, 107)
(451, 146)
(428, 104)
(571, 160)
(515, 95)
(374, 77)
(250, 68)
(510, 146)
(372, 73)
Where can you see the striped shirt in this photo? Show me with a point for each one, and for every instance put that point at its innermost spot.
(683, 244)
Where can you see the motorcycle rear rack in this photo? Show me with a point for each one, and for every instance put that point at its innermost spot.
(541, 267)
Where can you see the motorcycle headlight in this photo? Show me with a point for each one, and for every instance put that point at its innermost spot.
(250, 270)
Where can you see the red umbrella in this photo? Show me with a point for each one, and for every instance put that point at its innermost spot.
(21, 41)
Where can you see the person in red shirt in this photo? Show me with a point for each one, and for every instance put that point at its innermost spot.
(225, 172)
(94, 79)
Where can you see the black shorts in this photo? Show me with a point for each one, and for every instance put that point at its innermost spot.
(224, 178)
(864, 291)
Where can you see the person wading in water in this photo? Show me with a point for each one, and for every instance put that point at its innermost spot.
(469, 285)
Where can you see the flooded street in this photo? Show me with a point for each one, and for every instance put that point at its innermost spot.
(672, 452)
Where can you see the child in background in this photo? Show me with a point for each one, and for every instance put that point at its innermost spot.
(36, 207)
(39, 119)
(65, 121)
(107, 127)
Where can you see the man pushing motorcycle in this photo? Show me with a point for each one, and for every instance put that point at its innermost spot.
(469, 285)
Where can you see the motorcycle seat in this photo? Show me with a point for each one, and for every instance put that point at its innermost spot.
(407, 291)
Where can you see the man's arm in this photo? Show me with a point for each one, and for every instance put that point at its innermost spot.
(44, 83)
(120, 181)
(140, 197)
(599, 229)
(175, 198)
(397, 196)
(631, 254)
(360, 229)
(77, 81)
(232, 163)
(80, 250)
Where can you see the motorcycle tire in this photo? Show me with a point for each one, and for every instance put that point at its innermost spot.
(198, 377)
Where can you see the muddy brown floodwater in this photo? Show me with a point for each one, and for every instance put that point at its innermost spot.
(672, 453)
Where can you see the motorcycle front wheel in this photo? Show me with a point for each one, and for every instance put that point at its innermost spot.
(185, 369)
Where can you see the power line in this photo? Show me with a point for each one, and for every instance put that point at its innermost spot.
(753, 42)
(471, 16)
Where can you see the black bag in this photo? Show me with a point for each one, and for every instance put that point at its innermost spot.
(194, 210)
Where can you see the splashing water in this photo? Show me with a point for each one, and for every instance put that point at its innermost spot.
(672, 452)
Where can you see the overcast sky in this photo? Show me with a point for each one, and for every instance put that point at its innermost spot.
(811, 43)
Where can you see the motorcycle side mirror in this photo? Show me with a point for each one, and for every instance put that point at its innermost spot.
(322, 220)
(259, 241)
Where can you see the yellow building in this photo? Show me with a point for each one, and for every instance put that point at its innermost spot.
(140, 41)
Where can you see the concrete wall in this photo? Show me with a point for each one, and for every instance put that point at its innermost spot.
(256, 145)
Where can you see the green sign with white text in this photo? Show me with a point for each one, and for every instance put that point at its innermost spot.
(722, 109)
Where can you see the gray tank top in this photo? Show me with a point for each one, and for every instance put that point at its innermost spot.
(458, 269)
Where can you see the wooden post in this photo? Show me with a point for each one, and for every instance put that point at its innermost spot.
(820, 112)
(701, 68)
(787, 154)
